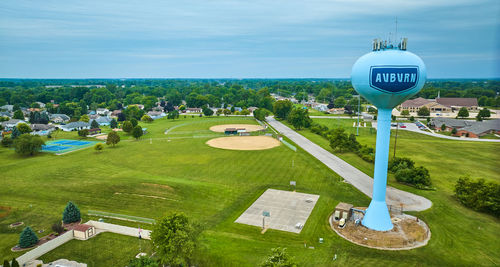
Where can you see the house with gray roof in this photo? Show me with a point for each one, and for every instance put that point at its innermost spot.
(10, 124)
(8, 108)
(103, 121)
(59, 118)
(75, 126)
(42, 129)
(449, 123)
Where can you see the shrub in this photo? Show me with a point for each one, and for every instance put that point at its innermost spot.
(98, 147)
(396, 164)
(27, 238)
(279, 257)
(7, 141)
(83, 132)
(28, 145)
(71, 213)
(57, 227)
(479, 195)
(127, 126)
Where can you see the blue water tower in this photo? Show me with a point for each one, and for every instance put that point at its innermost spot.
(386, 77)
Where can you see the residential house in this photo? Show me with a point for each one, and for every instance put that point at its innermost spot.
(10, 124)
(42, 105)
(102, 111)
(105, 121)
(193, 110)
(156, 114)
(59, 118)
(75, 126)
(42, 129)
(9, 108)
(5, 114)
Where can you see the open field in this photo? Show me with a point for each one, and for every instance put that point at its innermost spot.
(215, 186)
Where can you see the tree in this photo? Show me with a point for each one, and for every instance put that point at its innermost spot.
(113, 138)
(18, 115)
(261, 114)
(127, 126)
(299, 118)
(27, 238)
(463, 113)
(98, 147)
(484, 113)
(372, 110)
(405, 113)
(454, 131)
(23, 128)
(6, 263)
(83, 132)
(172, 115)
(14, 263)
(339, 102)
(479, 195)
(121, 116)
(282, 108)
(143, 261)
(28, 145)
(207, 111)
(85, 118)
(227, 112)
(339, 140)
(423, 111)
(279, 258)
(412, 119)
(113, 124)
(94, 124)
(134, 122)
(137, 132)
(7, 141)
(174, 239)
(443, 127)
(146, 118)
(71, 213)
(15, 133)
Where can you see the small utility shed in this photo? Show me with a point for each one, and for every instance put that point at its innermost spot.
(343, 210)
(83, 231)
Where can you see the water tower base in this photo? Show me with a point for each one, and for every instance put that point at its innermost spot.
(377, 217)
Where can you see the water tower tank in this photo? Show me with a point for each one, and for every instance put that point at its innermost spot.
(386, 77)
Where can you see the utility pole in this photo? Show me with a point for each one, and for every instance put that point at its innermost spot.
(357, 128)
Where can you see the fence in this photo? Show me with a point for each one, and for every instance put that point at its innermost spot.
(120, 229)
(120, 216)
(45, 247)
(292, 147)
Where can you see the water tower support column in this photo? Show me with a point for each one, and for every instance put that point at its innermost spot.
(377, 215)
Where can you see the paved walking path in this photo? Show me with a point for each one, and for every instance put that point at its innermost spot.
(357, 178)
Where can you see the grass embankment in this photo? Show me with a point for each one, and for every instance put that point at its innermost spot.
(214, 186)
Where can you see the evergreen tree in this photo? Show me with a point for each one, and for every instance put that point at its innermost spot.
(14, 263)
(134, 122)
(6, 263)
(137, 132)
(94, 124)
(463, 113)
(113, 124)
(15, 133)
(71, 213)
(27, 238)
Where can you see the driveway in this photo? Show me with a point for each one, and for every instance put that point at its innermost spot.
(357, 178)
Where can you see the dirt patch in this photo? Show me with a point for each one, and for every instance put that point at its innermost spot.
(248, 127)
(409, 232)
(159, 186)
(4, 211)
(101, 137)
(244, 142)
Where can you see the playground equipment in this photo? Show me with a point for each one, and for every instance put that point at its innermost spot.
(386, 77)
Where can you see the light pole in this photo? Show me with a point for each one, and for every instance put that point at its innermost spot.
(357, 126)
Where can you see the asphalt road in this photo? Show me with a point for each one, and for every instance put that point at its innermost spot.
(357, 178)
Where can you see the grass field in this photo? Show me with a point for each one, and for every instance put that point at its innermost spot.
(214, 186)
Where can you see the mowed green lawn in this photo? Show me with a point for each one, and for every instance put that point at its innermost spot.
(213, 187)
(456, 231)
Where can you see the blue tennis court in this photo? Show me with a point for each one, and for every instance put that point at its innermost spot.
(66, 145)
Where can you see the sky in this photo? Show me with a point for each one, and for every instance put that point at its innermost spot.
(241, 39)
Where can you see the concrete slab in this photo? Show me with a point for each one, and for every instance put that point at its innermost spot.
(287, 209)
